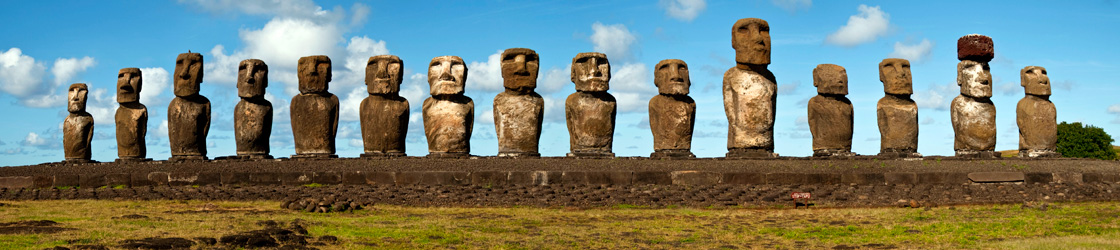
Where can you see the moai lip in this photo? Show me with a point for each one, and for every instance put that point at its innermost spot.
(672, 113)
(384, 114)
(519, 110)
(897, 113)
(188, 114)
(830, 112)
(77, 129)
(314, 111)
(975, 47)
(448, 114)
(252, 117)
(1036, 115)
(590, 112)
(750, 92)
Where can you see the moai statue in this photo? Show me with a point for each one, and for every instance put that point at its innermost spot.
(131, 118)
(898, 114)
(188, 115)
(384, 113)
(448, 114)
(314, 110)
(830, 112)
(672, 113)
(77, 130)
(750, 92)
(519, 111)
(252, 117)
(591, 110)
(973, 113)
(1036, 115)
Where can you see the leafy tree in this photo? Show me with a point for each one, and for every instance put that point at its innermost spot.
(1075, 140)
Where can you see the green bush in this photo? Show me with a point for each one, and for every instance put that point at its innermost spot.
(1075, 140)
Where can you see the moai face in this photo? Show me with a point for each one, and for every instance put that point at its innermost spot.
(830, 79)
(750, 37)
(77, 98)
(447, 75)
(314, 74)
(895, 75)
(519, 69)
(384, 74)
(1035, 81)
(974, 78)
(671, 77)
(129, 82)
(591, 72)
(252, 78)
(188, 74)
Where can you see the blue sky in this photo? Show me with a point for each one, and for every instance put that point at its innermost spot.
(49, 45)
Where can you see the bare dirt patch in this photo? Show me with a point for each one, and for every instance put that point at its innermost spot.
(32, 227)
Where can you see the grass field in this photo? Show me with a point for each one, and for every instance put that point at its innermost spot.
(1057, 226)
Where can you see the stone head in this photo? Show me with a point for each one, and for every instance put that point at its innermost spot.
(519, 69)
(671, 77)
(830, 79)
(188, 74)
(252, 78)
(129, 83)
(750, 37)
(314, 74)
(76, 98)
(974, 78)
(591, 72)
(895, 75)
(384, 74)
(1035, 81)
(447, 75)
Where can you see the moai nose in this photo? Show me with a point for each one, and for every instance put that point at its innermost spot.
(382, 70)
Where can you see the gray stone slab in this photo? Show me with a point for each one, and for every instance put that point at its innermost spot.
(990, 177)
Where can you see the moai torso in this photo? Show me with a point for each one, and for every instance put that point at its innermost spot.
(672, 113)
(519, 110)
(830, 112)
(314, 111)
(448, 114)
(131, 117)
(897, 113)
(77, 129)
(188, 115)
(252, 117)
(384, 114)
(1036, 115)
(972, 113)
(750, 92)
(590, 112)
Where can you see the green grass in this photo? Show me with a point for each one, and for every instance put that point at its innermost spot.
(1062, 226)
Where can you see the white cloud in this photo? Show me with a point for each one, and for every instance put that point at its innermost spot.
(554, 109)
(20, 75)
(632, 87)
(869, 24)
(486, 76)
(358, 14)
(156, 80)
(555, 79)
(788, 88)
(304, 9)
(793, 5)
(222, 68)
(1115, 110)
(613, 40)
(351, 104)
(66, 68)
(937, 96)
(486, 117)
(684, 10)
(102, 105)
(360, 50)
(33, 139)
(913, 52)
(283, 41)
(415, 89)
(38, 141)
(161, 131)
(281, 112)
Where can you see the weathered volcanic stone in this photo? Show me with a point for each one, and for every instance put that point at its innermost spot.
(384, 114)
(590, 112)
(188, 115)
(973, 114)
(77, 129)
(830, 112)
(314, 111)
(897, 113)
(252, 117)
(750, 92)
(519, 110)
(448, 114)
(1036, 115)
(131, 117)
(976, 48)
(672, 113)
